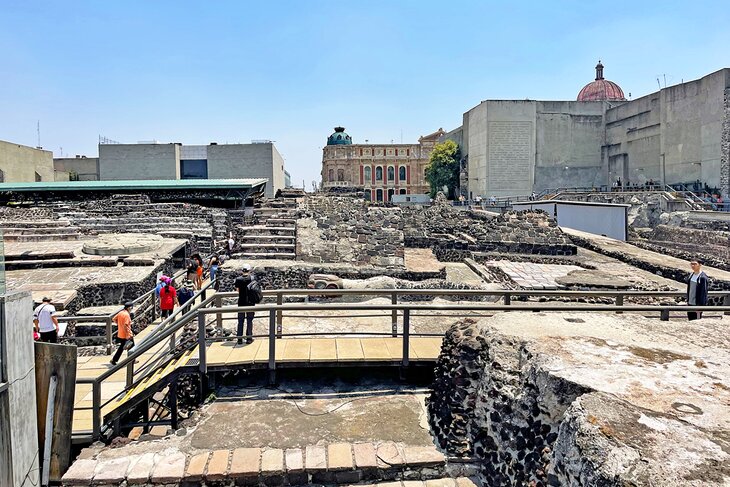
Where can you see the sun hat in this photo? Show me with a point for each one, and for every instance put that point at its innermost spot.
(246, 268)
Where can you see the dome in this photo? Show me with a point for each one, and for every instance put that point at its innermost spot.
(601, 89)
(339, 137)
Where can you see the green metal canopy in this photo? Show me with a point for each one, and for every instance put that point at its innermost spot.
(132, 185)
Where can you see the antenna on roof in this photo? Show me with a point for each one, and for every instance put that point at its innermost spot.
(38, 130)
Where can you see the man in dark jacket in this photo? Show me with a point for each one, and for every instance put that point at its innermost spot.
(246, 286)
(697, 284)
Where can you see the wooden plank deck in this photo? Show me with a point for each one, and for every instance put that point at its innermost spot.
(225, 355)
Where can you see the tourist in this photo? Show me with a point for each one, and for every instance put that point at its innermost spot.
(192, 271)
(46, 322)
(199, 271)
(160, 283)
(697, 284)
(123, 319)
(249, 294)
(168, 299)
(213, 264)
(185, 294)
(231, 244)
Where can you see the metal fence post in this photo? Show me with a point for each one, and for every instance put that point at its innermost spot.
(130, 373)
(96, 409)
(507, 299)
(394, 321)
(664, 315)
(109, 345)
(272, 346)
(154, 305)
(726, 302)
(218, 315)
(619, 302)
(203, 365)
(279, 313)
(406, 335)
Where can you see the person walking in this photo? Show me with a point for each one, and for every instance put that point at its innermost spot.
(192, 270)
(199, 271)
(249, 294)
(213, 264)
(186, 294)
(45, 321)
(123, 319)
(168, 299)
(697, 285)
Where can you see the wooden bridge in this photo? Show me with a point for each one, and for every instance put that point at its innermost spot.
(109, 398)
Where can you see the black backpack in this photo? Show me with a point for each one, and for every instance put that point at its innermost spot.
(254, 291)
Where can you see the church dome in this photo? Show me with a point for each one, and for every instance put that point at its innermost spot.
(339, 137)
(601, 89)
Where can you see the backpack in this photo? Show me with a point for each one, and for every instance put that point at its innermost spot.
(254, 291)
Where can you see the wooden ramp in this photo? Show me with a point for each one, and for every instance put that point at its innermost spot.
(228, 355)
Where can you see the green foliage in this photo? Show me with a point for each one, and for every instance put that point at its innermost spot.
(443, 168)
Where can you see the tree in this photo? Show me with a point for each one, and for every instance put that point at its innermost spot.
(443, 168)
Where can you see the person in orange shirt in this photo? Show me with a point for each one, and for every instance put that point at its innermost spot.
(123, 319)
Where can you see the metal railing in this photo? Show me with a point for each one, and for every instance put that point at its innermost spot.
(172, 329)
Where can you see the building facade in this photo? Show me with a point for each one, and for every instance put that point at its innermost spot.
(677, 135)
(259, 160)
(381, 170)
(23, 164)
(79, 168)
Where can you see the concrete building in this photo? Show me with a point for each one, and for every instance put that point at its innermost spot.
(23, 164)
(382, 170)
(79, 168)
(677, 135)
(259, 160)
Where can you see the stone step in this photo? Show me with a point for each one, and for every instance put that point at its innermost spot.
(15, 265)
(35, 223)
(280, 221)
(269, 246)
(41, 238)
(333, 464)
(265, 255)
(254, 228)
(268, 238)
(8, 230)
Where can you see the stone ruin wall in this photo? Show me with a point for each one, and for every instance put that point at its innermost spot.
(345, 229)
(499, 401)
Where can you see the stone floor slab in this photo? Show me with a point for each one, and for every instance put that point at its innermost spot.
(365, 456)
(339, 457)
(245, 462)
(294, 458)
(218, 465)
(139, 470)
(111, 472)
(80, 473)
(169, 469)
(316, 458)
(423, 456)
(272, 462)
(389, 455)
(196, 467)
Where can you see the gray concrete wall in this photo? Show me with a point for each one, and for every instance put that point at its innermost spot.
(139, 161)
(19, 163)
(18, 422)
(674, 134)
(87, 168)
(247, 161)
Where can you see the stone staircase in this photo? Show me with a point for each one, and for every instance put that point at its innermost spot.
(270, 233)
(39, 230)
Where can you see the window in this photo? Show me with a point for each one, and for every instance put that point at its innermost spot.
(193, 169)
(38, 178)
(367, 174)
(379, 174)
(403, 191)
(391, 192)
(340, 174)
(408, 152)
(331, 175)
(367, 195)
(391, 173)
(2, 176)
(402, 173)
(339, 137)
(379, 195)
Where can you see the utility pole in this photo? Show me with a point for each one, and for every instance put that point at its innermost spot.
(38, 131)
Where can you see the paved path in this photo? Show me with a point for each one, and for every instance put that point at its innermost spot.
(529, 275)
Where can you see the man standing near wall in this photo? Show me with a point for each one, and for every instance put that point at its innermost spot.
(45, 321)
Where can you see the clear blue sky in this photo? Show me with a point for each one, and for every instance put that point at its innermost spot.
(197, 72)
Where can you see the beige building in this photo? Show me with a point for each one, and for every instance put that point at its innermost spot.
(381, 170)
(23, 164)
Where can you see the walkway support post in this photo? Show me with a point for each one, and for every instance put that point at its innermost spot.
(726, 302)
(219, 315)
(272, 347)
(394, 300)
(203, 365)
(96, 409)
(507, 299)
(406, 335)
(664, 315)
(279, 313)
(619, 302)
(109, 345)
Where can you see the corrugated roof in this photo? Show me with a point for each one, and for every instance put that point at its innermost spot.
(126, 185)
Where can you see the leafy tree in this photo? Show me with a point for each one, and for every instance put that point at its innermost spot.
(443, 168)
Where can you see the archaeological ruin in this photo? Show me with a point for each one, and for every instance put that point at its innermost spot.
(422, 344)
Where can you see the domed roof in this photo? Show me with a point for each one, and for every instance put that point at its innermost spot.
(601, 89)
(339, 137)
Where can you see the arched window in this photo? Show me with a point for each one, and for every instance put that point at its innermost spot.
(379, 174)
(367, 174)
(391, 192)
(391, 173)
(403, 191)
(340, 174)
(339, 137)
(402, 173)
(379, 194)
(331, 175)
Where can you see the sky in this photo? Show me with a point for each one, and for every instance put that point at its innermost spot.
(290, 71)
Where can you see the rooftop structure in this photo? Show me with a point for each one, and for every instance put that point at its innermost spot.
(601, 89)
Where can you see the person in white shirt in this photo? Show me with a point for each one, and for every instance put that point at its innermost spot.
(231, 244)
(45, 321)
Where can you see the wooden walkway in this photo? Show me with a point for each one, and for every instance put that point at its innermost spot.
(228, 355)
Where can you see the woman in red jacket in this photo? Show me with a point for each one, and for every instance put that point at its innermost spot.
(168, 299)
